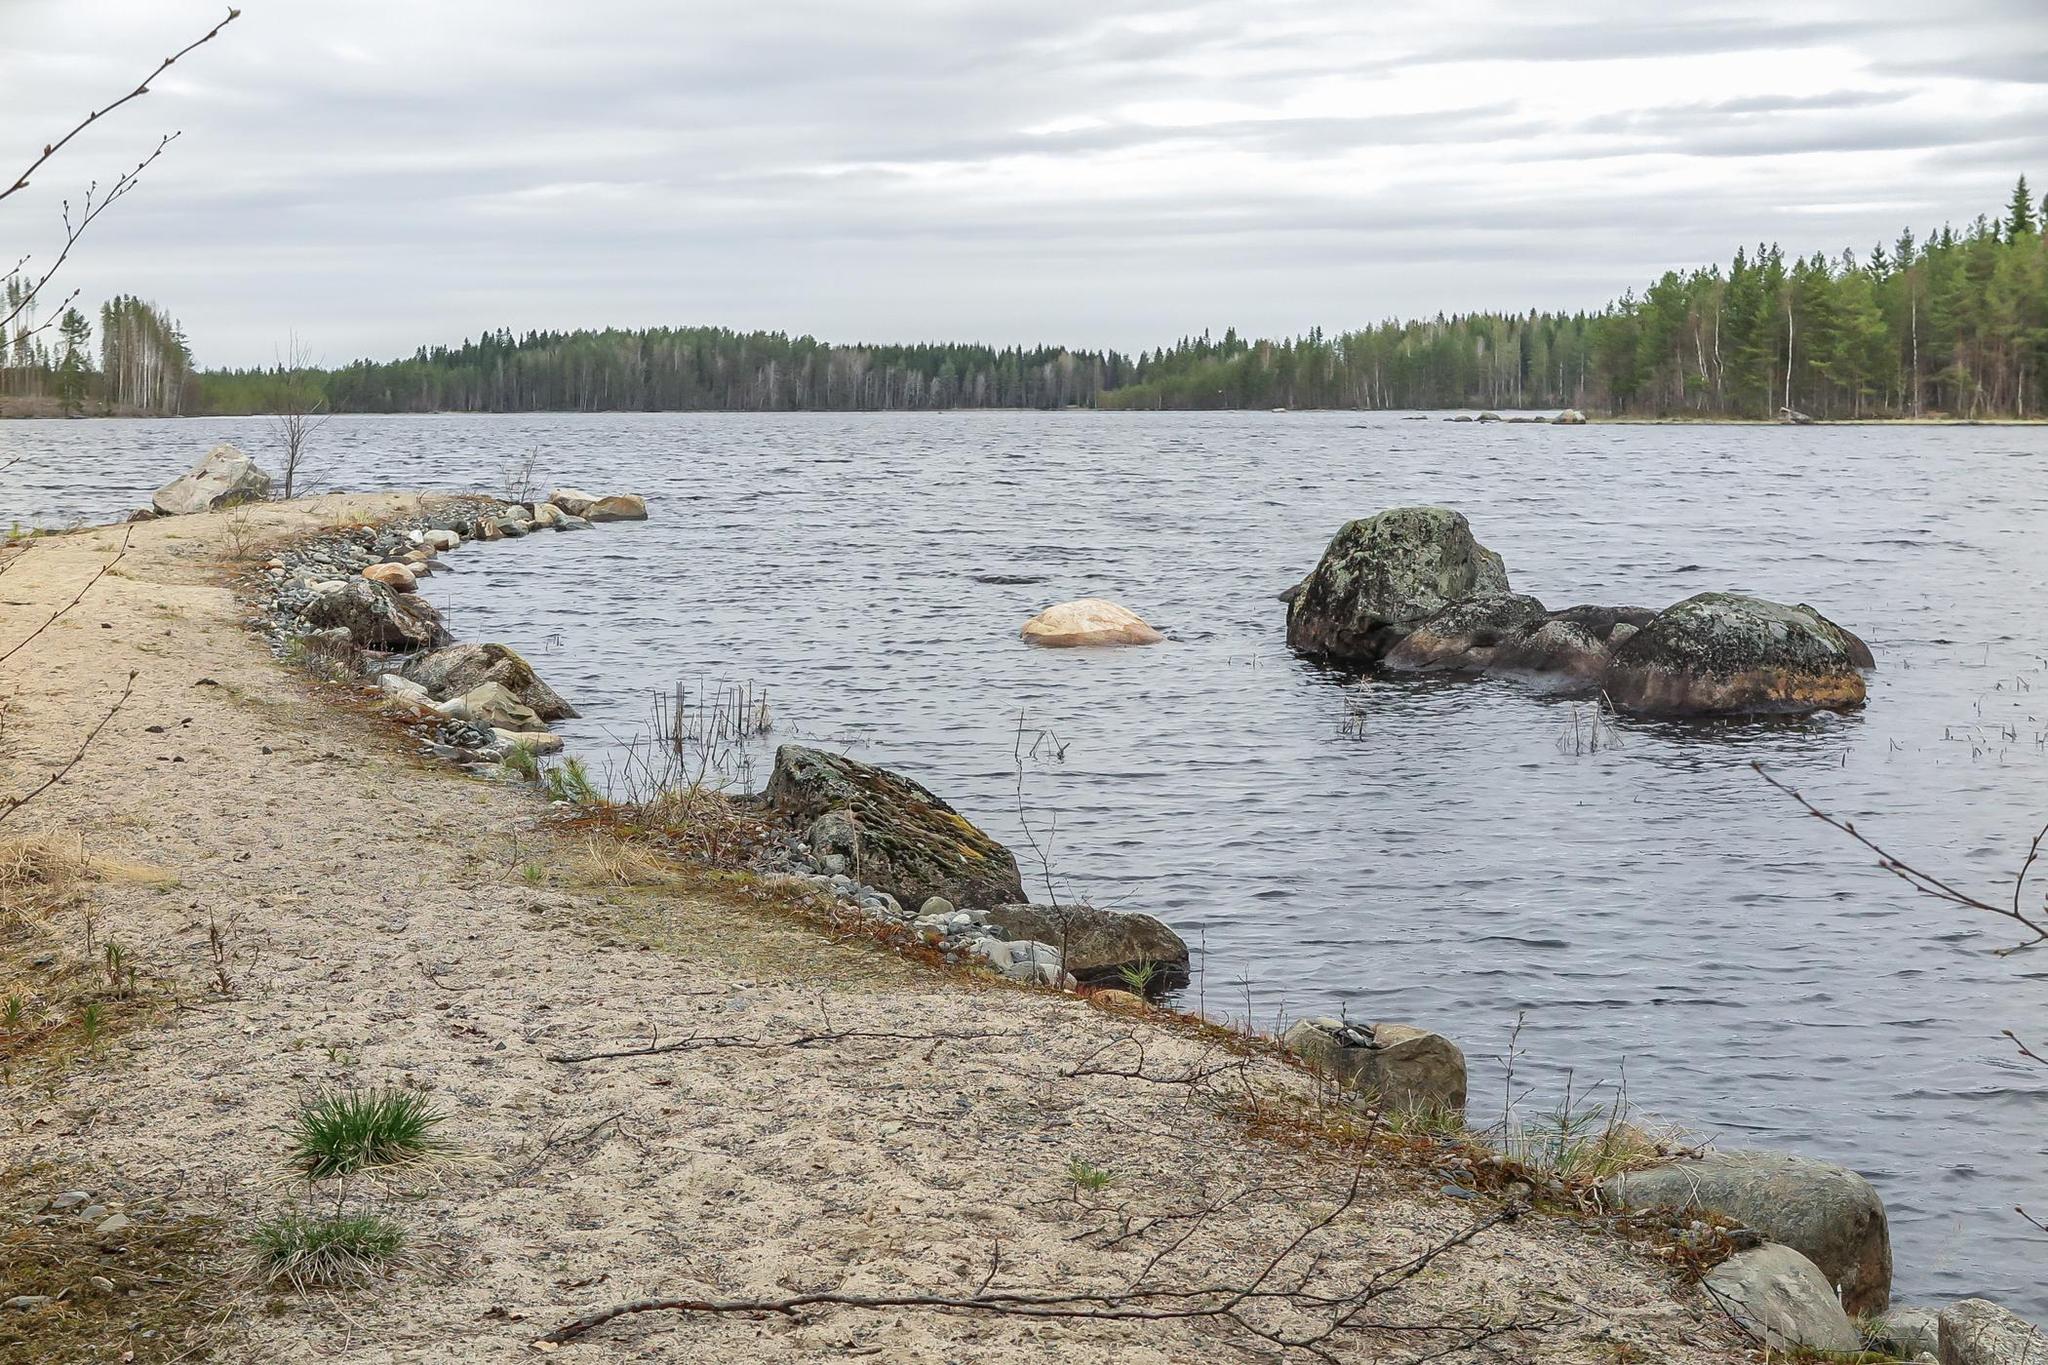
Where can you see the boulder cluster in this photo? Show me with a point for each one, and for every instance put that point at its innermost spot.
(1411, 590)
(885, 843)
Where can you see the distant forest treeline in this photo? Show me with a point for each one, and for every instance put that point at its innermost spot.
(1956, 324)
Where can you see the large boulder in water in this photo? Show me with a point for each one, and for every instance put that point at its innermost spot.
(1466, 636)
(224, 478)
(1098, 946)
(896, 835)
(1828, 1214)
(376, 617)
(1090, 621)
(1383, 574)
(458, 669)
(1723, 653)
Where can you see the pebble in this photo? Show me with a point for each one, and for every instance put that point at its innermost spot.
(25, 1302)
(70, 1199)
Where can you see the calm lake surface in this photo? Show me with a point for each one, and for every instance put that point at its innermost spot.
(1428, 852)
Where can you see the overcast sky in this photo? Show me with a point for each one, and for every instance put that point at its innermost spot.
(378, 174)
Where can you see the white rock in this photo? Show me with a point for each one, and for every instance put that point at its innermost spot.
(1090, 621)
(224, 477)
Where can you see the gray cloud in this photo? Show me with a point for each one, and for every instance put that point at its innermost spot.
(387, 174)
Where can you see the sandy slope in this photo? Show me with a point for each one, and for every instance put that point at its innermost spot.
(386, 936)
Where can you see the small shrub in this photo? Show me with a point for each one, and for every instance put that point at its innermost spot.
(345, 1249)
(1139, 977)
(533, 874)
(570, 781)
(1091, 1178)
(520, 763)
(353, 1131)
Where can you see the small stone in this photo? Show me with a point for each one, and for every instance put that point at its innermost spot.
(101, 1283)
(110, 1227)
(70, 1199)
(26, 1302)
(935, 906)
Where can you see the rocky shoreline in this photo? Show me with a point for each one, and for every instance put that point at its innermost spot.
(1813, 1239)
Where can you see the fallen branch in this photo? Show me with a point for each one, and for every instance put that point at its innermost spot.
(17, 802)
(1192, 1074)
(809, 1039)
(1929, 885)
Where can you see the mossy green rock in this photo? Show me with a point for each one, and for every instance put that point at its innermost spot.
(1722, 653)
(1381, 575)
(903, 839)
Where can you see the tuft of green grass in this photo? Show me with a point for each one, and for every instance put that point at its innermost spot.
(346, 1249)
(570, 781)
(520, 763)
(348, 1132)
(533, 874)
(1138, 978)
(1091, 1178)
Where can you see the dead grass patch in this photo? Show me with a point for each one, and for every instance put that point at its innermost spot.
(158, 1290)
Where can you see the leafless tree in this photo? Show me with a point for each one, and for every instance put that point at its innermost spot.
(300, 411)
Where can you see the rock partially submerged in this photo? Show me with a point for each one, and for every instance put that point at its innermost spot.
(1089, 621)
(1827, 1213)
(1411, 590)
(1396, 1065)
(895, 833)
(1381, 575)
(1782, 1298)
(1722, 653)
(1101, 947)
(223, 478)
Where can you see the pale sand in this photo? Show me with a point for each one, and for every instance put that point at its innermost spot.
(395, 942)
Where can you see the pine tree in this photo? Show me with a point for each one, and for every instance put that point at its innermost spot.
(2019, 215)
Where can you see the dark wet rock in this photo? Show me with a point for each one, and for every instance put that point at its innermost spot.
(1783, 1299)
(1827, 1213)
(1600, 622)
(1383, 574)
(1465, 636)
(1728, 654)
(376, 617)
(1396, 1065)
(1555, 648)
(1979, 1332)
(458, 669)
(1098, 946)
(901, 838)
(223, 478)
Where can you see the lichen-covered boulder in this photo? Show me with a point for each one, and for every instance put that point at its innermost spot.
(1089, 621)
(223, 478)
(375, 617)
(1100, 946)
(1381, 575)
(1724, 653)
(1395, 1065)
(1466, 636)
(1827, 1213)
(455, 670)
(1979, 1332)
(896, 835)
(1782, 1298)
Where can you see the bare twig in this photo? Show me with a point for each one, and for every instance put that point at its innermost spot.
(1928, 884)
(17, 802)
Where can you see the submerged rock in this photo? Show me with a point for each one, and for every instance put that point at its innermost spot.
(1827, 1213)
(1089, 621)
(1395, 1065)
(1721, 653)
(455, 670)
(1465, 636)
(223, 478)
(1381, 575)
(1100, 946)
(1783, 1299)
(903, 839)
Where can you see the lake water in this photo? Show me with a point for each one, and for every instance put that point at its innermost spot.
(1423, 851)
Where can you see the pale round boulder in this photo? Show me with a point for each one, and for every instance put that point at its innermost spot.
(397, 577)
(617, 507)
(1090, 621)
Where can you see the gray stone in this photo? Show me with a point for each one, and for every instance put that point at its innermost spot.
(574, 501)
(376, 617)
(1570, 417)
(495, 705)
(70, 1199)
(1098, 946)
(1397, 1065)
(26, 1302)
(452, 671)
(905, 840)
(1782, 1298)
(1381, 575)
(223, 478)
(1465, 636)
(1909, 1333)
(1721, 653)
(1828, 1214)
(113, 1225)
(1979, 1332)
(936, 905)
